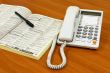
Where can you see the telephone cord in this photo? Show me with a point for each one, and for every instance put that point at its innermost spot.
(61, 53)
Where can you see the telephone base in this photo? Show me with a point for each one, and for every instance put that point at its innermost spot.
(87, 29)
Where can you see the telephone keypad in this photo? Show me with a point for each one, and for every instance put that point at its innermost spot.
(87, 32)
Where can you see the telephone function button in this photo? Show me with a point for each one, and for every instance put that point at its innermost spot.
(85, 27)
(96, 28)
(95, 34)
(80, 26)
(78, 36)
(91, 28)
(89, 37)
(96, 31)
(84, 36)
(94, 42)
(84, 33)
(78, 32)
(90, 33)
(79, 29)
(95, 38)
(85, 30)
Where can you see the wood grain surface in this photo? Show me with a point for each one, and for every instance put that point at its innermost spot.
(79, 60)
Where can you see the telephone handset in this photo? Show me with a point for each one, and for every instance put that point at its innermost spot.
(81, 28)
(67, 29)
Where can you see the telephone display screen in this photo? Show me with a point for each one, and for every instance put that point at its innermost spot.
(89, 20)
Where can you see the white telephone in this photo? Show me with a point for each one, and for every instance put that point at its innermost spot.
(81, 28)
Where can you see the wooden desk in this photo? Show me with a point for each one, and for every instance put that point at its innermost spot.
(79, 60)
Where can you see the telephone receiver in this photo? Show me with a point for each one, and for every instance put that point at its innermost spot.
(81, 28)
(66, 33)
